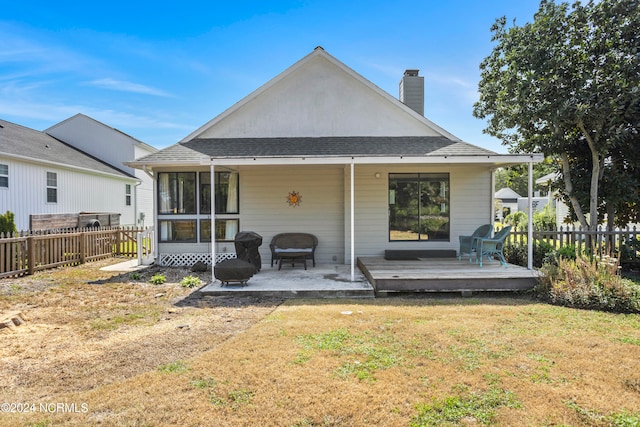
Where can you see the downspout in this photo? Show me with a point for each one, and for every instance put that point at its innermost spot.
(136, 214)
(213, 221)
(353, 220)
(530, 220)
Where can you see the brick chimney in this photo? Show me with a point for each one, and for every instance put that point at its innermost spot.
(412, 91)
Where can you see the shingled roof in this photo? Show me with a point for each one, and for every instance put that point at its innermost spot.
(29, 144)
(202, 150)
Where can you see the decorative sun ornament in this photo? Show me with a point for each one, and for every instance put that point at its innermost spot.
(294, 199)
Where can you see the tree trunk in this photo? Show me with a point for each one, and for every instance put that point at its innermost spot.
(595, 178)
(568, 186)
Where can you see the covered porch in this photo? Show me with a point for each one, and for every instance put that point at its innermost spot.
(376, 276)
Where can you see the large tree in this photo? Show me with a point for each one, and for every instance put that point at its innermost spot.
(568, 85)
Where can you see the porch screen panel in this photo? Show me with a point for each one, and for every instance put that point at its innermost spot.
(419, 207)
(226, 192)
(177, 230)
(226, 230)
(177, 193)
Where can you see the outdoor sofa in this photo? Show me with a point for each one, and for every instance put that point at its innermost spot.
(293, 247)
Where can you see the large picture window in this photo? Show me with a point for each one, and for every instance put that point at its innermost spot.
(226, 191)
(226, 230)
(184, 206)
(176, 193)
(419, 206)
(178, 230)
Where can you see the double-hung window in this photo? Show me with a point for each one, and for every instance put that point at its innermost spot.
(419, 206)
(4, 176)
(184, 206)
(52, 187)
(127, 194)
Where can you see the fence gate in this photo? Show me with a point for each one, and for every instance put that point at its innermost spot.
(146, 243)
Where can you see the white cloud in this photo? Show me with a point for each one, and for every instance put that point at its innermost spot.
(123, 86)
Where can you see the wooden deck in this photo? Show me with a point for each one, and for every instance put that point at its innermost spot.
(443, 275)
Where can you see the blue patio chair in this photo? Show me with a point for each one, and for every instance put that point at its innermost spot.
(468, 243)
(492, 247)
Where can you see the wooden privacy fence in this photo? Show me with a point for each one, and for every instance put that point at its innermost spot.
(26, 253)
(619, 241)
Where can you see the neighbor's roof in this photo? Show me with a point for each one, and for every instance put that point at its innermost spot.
(506, 193)
(28, 144)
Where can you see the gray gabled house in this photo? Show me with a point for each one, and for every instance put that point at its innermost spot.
(320, 149)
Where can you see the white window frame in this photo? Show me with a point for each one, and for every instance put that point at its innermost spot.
(4, 174)
(127, 194)
(52, 184)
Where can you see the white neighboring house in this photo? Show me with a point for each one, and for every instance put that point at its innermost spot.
(562, 209)
(509, 200)
(114, 147)
(40, 174)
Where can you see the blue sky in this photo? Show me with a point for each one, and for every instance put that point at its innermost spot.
(159, 70)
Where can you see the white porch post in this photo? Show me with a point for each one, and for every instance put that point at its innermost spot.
(530, 221)
(492, 212)
(353, 221)
(213, 221)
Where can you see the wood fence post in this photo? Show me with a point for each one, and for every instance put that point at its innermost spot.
(31, 254)
(118, 241)
(83, 248)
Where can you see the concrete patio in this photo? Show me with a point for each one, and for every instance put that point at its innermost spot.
(322, 281)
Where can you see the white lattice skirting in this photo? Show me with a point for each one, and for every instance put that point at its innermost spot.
(187, 260)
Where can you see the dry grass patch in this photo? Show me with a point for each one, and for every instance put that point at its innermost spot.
(393, 362)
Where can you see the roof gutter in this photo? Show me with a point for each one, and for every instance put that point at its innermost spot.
(493, 159)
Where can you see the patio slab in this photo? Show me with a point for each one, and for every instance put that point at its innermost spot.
(322, 281)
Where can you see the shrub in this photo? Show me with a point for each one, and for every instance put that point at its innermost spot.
(628, 251)
(518, 254)
(545, 219)
(7, 223)
(518, 220)
(191, 282)
(588, 283)
(158, 279)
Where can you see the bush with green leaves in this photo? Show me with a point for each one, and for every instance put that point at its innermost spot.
(191, 282)
(158, 279)
(588, 282)
(7, 223)
(518, 254)
(545, 219)
(519, 220)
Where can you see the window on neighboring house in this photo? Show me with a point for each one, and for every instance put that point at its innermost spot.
(4, 176)
(188, 195)
(127, 194)
(52, 187)
(419, 206)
